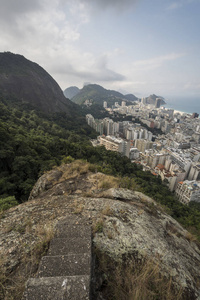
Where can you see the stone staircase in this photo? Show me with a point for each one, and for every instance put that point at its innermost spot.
(65, 272)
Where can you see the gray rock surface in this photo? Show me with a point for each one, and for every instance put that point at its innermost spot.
(125, 223)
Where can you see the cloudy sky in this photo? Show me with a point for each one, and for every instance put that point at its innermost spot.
(134, 46)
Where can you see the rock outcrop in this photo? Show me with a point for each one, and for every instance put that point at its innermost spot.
(127, 225)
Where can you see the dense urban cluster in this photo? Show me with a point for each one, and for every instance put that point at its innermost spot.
(173, 155)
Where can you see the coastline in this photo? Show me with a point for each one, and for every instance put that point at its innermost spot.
(181, 112)
(177, 111)
(183, 105)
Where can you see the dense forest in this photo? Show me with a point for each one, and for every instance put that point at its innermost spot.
(32, 142)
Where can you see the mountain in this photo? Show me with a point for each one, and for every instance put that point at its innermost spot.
(152, 99)
(29, 83)
(131, 97)
(38, 125)
(71, 91)
(97, 94)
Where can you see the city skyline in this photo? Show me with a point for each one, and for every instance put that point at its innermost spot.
(130, 46)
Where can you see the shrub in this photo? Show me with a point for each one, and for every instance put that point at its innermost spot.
(8, 202)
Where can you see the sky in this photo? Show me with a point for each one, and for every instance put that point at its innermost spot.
(132, 46)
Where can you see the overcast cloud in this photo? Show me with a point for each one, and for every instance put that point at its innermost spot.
(131, 45)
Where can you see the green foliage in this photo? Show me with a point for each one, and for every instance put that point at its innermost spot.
(67, 160)
(96, 110)
(32, 143)
(97, 94)
(98, 226)
(8, 202)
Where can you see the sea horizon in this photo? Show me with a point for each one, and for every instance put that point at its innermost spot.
(188, 105)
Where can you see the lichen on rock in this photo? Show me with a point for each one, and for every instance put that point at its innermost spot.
(128, 228)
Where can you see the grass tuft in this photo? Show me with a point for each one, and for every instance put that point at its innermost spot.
(12, 284)
(98, 226)
(135, 279)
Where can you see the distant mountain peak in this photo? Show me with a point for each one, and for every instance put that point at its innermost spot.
(99, 94)
(71, 91)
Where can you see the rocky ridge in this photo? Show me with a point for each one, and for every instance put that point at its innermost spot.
(126, 225)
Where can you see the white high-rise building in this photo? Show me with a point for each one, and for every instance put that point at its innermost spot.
(115, 144)
(158, 102)
(187, 191)
(144, 101)
(90, 120)
(105, 104)
(194, 173)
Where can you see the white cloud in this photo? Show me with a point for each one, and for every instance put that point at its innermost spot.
(62, 36)
(195, 86)
(47, 33)
(156, 62)
(12, 8)
(85, 66)
(175, 5)
(113, 4)
(180, 3)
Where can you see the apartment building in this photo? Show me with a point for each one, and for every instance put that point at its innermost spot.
(143, 145)
(115, 144)
(187, 191)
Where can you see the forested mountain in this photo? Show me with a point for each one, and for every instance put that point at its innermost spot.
(36, 123)
(97, 94)
(28, 82)
(131, 97)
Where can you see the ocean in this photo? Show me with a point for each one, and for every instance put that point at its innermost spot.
(187, 105)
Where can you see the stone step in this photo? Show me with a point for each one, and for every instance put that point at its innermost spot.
(73, 245)
(65, 265)
(74, 220)
(58, 288)
(68, 231)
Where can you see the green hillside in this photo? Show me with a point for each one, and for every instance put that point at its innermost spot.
(32, 142)
(97, 94)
